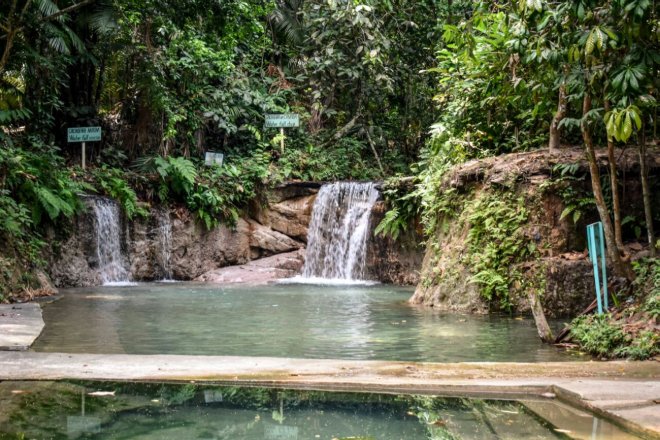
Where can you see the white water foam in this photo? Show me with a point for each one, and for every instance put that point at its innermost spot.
(165, 244)
(111, 261)
(317, 281)
(338, 234)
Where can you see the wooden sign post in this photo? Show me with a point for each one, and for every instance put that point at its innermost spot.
(83, 135)
(282, 121)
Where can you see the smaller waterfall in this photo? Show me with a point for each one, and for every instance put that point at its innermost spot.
(112, 263)
(165, 243)
(339, 230)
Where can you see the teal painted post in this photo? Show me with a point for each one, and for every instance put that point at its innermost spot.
(596, 244)
(593, 254)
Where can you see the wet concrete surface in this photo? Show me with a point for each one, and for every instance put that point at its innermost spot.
(20, 325)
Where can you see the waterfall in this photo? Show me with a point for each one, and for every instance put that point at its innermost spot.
(112, 263)
(338, 232)
(165, 243)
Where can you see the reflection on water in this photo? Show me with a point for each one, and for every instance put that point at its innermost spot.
(302, 321)
(157, 411)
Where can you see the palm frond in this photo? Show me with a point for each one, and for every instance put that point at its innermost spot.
(285, 19)
(48, 8)
(103, 20)
(74, 39)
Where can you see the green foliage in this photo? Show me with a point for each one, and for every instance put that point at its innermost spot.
(621, 123)
(177, 175)
(606, 337)
(647, 285)
(630, 331)
(488, 98)
(642, 347)
(343, 160)
(36, 179)
(113, 182)
(434, 200)
(36, 192)
(403, 208)
(597, 335)
(495, 243)
(213, 193)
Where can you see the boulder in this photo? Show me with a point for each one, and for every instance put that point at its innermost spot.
(258, 272)
(290, 217)
(265, 241)
(196, 250)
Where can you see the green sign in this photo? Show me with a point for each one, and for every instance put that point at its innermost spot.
(282, 120)
(84, 134)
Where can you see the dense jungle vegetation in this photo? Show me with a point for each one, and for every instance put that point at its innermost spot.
(384, 88)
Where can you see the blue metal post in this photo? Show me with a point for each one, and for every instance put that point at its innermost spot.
(596, 242)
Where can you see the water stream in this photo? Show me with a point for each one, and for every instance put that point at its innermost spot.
(165, 244)
(338, 232)
(111, 261)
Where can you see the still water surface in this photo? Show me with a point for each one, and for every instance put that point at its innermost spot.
(302, 321)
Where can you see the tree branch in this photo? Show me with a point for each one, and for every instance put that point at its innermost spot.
(56, 14)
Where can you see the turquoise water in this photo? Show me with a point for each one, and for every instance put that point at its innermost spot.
(301, 321)
(69, 410)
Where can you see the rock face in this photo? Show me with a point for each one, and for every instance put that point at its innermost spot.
(192, 250)
(73, 260)
(289, 210)
(394, 261)
(171, 244)
(558, 268)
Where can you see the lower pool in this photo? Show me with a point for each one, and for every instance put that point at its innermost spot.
(161, 411)
(299, 321)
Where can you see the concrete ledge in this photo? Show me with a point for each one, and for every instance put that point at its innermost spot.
(623, 392)
(20, 325)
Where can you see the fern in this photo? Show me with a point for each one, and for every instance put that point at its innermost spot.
(392, 224)
(53, 204)
(183, 174)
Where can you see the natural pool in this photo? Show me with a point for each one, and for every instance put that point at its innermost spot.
(159, 411)
(284, 320)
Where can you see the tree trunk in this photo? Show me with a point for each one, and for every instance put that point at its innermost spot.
(8, 45)
(555, 133)
(621, 268)
(545, 333)
(614, 183)
(646, 193)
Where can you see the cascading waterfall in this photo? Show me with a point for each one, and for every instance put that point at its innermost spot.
(112, 263)
(165, 243)
(338, 232)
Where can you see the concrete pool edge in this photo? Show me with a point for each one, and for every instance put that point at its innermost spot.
(20, 325)
(622, 392)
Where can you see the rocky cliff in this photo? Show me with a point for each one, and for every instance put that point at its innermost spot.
(510, 208)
